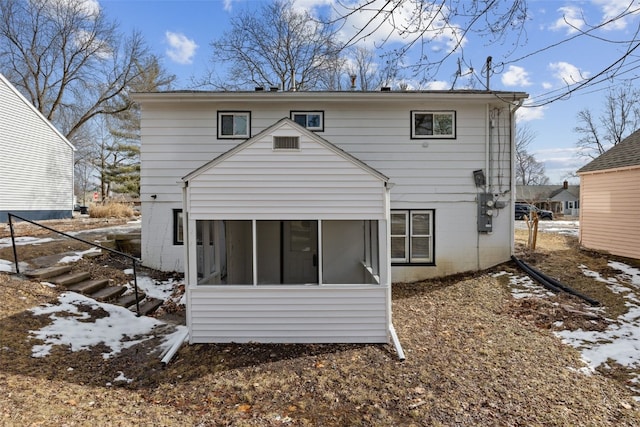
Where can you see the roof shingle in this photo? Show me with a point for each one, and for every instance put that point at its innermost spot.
(624, 154)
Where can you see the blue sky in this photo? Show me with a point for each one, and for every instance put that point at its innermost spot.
(180, 32)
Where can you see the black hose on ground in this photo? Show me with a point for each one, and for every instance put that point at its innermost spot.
(551, 283)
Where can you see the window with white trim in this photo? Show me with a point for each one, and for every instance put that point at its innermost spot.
(312, 120)
(234, 124)
(412, 236)
(433, 124)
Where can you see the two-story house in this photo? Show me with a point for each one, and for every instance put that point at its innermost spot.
(291, 213)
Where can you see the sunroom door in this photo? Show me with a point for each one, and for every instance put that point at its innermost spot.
(300, 252)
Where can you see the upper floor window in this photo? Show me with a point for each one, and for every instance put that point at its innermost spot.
(234, 124)
(312, 120)
(433, 124)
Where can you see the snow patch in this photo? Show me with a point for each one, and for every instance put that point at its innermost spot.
(119, 330)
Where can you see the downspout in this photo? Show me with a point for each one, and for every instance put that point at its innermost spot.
(186, 244)
(487, 149)
(512, 146)
(387, 276)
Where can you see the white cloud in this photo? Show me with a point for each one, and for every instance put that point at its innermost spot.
(516, 76)
(526, 113)
(571, 19)
(309, 5)
(181, 48)
(559, 163)
(612, 8)
(228, 5)
(568, 74)
(437, 85)
(391, 22)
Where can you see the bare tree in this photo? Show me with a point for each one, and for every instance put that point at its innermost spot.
(528, 170)
(67, 59)
(621, 117)
(123, 172)
(275, 45)
(365, 68)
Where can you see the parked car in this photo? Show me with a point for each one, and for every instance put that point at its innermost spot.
(523, 209)
(84, 210)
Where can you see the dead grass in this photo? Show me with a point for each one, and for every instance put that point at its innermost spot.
(473, 358)
(561, 256)
(111, 210)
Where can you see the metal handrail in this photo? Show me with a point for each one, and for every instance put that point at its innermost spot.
(132, 258)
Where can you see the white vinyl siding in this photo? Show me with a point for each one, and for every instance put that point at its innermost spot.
(310, 183)
(291, 314)
(36, 161)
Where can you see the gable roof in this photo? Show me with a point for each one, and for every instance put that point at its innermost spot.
(21, 97)
(623, 155)
(303, 131)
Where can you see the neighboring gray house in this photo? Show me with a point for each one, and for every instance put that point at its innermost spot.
(291, 213)
(560, 199)
(36, 161)
(610, 197)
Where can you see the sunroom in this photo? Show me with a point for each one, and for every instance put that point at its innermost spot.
(287, 240)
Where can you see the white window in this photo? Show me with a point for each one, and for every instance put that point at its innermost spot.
(433, 124)
(412, 236)
(312, 120)
(234, 124)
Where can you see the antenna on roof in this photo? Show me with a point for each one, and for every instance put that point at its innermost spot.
(488, 66)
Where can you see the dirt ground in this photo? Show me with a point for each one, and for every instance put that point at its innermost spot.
(475, 356)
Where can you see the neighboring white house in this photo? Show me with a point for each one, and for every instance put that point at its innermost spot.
(560, 199)
(293, 212)
(36, 161)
